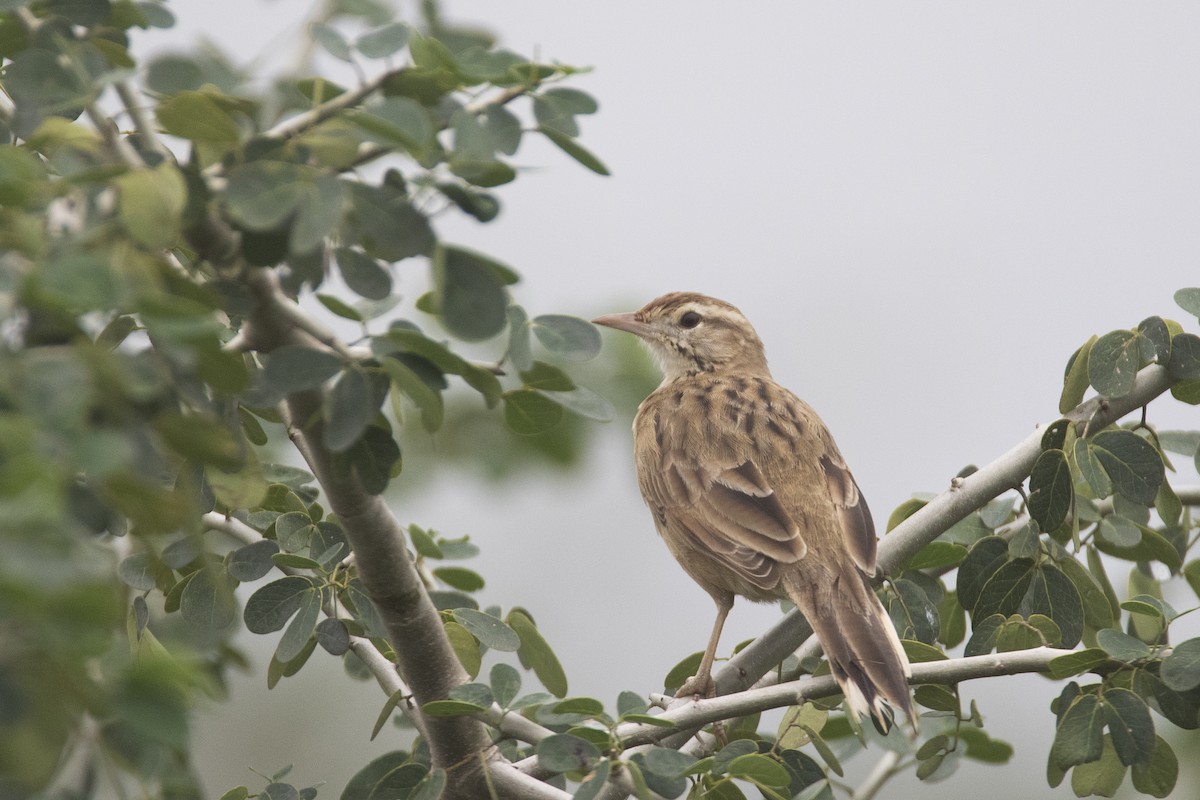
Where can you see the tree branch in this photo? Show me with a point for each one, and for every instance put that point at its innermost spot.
(426, 660)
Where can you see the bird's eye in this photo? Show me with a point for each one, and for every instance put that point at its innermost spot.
(690, 319)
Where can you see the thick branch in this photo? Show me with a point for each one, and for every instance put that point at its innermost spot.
(427, 662)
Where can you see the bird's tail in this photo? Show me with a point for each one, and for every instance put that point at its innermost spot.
(864, 652)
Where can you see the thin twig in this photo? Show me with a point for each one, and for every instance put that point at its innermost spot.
(142, 122)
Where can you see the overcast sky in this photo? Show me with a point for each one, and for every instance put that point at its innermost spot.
(923, 207)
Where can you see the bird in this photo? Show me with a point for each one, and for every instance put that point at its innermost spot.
(752, 497)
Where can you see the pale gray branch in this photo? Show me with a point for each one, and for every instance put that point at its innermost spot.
(887, 766)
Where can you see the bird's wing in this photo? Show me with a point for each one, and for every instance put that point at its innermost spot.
(733, 511)
(852, 510)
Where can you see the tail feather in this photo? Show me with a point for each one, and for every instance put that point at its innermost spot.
(864, 652)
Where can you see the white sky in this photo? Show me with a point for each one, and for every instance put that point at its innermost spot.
(923, 208)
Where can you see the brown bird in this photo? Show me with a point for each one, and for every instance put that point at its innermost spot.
(753, 498)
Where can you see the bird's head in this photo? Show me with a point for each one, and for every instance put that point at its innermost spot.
(690, 333)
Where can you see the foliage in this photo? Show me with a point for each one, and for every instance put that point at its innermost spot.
(155, 368)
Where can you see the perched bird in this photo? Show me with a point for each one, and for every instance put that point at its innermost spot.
(752, 497)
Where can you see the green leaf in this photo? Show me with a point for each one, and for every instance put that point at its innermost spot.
(1097, 613)
(294, 368)
(760, 769)
(269, 608)
(1079, 737)
(589, 788)
(1113, 363)
(340, 307)
(1129, 724)
(348, 409)
(1077, 663)
(1102, 776)
(321, 204)
(201, 438)
(571, 337)
(1004, 591)
(984, 748)
(301, 629)
(1181, 670)
(1091, 470)
(472, 298)
(904, 511)
(1053, 594)
(460, 578)
(912, 612)
(198, 117)
(207, 602)
(505, 683)
(1075, 383)
(1185, 357)
(428, 400)
(397, 120)
(528, 412)
(984, 558)
(142, 571)
(587, 706)
(431, 786)
(331, 40)
(1122, 646)
(333, 636)
(1050, 489)
(582, 401)
(536, 654)
(575, 150)
(1157, 778)
(489, 630)
(385, 223)
(564, 752)
(151, 203)
(1135, 467)
(1155, 340)
(383, 41)
(503, 127)
(952, 620)
(363, 274)
(465, 647)
(1189, 300)
(936, 555)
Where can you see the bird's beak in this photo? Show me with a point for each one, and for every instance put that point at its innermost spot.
(623, 322)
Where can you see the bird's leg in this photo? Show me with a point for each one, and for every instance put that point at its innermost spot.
(701, 684)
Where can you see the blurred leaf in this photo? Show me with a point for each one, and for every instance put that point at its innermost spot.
(472, 298)
(1075, 383)
(363, 274)
(383, 41)
(528, 412)
(151, 203)
(460, 578)
(198, 117)
(331, 40)
(584, 402)
(520, 351)
(575, 150)
(571, 337)
(385, 223)
(348, 409)
(426, 399)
